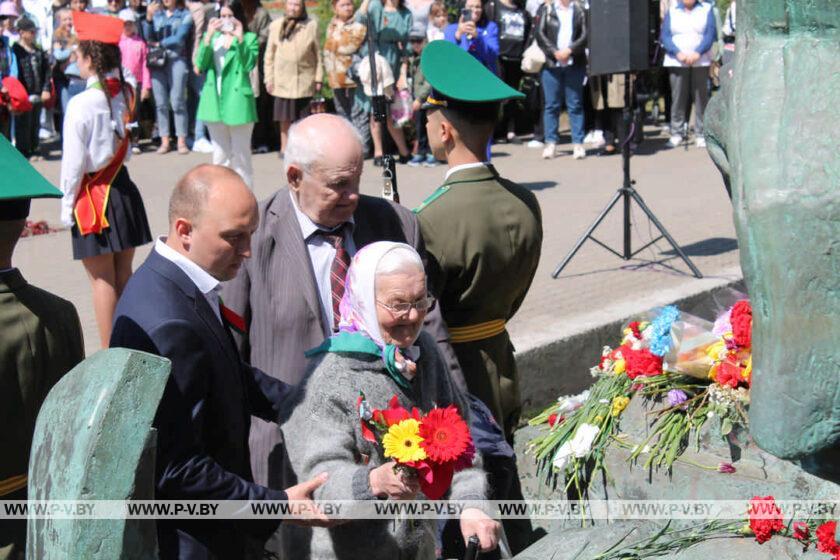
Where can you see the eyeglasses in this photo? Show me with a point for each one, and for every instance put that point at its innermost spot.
(403, 308)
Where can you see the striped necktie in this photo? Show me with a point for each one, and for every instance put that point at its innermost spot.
(338, 270)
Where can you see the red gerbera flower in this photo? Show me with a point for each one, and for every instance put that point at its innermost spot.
(765, 518)
(827, 540)
(445, 434)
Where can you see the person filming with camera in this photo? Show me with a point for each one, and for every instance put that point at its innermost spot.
(226, 55)
(475, 34)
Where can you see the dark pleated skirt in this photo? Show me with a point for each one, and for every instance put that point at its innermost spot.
(291, 110)
(126, 214)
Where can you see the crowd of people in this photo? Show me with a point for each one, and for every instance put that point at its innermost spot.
(169, 47)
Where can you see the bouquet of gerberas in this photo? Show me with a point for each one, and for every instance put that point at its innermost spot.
(434, 446)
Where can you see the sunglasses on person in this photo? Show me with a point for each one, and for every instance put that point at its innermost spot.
(403, 308)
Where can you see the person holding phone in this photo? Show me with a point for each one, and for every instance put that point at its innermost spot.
(475, 34)
(226, 56)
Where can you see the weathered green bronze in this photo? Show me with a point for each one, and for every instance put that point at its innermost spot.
(94, 441)
(775, 130)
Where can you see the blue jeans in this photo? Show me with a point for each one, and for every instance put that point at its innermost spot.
(563, 84)
(169, 85)
(196, 85)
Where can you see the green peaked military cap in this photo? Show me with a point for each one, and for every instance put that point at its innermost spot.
(455, 74)
(19, 183)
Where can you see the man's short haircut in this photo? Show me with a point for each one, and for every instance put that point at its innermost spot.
(305, 145)
(472, 114)
(192, 190)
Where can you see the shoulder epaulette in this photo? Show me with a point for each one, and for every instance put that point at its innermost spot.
(441, 190)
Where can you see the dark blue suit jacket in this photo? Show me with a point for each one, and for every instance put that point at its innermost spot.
(204, 417)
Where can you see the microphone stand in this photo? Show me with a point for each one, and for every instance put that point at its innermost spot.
(379, 107)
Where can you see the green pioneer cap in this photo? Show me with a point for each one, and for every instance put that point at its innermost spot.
(20, 183)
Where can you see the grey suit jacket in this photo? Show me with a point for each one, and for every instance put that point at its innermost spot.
(276, 293)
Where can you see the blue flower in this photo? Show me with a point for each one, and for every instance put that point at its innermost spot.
(659, 338)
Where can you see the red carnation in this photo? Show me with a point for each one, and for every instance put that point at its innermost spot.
(765, 518)
(741, 321)
(640, 362)
(445, 434)
(728, 374)
(801, 531)
(827, 540)
(634, 327)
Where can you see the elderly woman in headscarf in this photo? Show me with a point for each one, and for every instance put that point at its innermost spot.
(381, 352)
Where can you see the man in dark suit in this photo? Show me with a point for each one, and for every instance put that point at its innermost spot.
(288, 293)
(171, 308)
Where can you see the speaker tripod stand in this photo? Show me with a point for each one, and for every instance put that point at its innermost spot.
(627, 194)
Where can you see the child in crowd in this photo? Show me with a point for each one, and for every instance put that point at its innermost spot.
(420, 90)
(133, 50)
(34, 72)
(437, 21)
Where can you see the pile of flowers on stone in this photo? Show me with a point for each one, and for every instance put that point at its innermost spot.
(765, 521)
(692, 369)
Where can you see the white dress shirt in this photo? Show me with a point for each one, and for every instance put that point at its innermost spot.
(205, 283)
(462, 167)
(89, 142)
(322, 255)
(566, 17)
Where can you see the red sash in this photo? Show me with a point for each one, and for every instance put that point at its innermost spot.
(92, 200)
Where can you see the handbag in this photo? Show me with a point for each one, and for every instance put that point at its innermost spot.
(156, 57)
(533, 59)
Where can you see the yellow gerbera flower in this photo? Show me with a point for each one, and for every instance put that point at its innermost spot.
(618, 405)
(402, 442)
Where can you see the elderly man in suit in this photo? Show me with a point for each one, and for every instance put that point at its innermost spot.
(171, 308)
(288, 293)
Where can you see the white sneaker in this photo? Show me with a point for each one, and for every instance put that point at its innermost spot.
(598, 139)
(203, 146)
(579, 152)
(549, 150)
(535, 144)
(590, 137)
(700, 142)
(674, 141)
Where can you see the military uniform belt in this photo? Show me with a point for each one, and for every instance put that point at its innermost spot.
(480, 331)
(12, 484)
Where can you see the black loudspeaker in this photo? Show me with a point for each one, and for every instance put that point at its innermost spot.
(623, 35)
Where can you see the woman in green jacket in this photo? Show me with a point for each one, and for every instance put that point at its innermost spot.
(227, 55)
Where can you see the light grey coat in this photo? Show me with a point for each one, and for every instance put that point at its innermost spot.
(323, 434)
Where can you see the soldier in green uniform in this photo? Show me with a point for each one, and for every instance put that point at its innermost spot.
(483, 233)
(41, 341)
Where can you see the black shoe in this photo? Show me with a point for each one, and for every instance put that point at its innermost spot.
(405, 159)
(377, 161)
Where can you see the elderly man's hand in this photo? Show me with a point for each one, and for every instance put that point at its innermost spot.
(385, 481)
(476, 522)
(306, 512)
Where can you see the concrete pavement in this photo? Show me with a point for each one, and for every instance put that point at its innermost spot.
(681, 186)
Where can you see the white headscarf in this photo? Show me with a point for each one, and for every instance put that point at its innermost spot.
(358, 306)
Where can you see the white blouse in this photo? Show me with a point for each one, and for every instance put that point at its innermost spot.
(89, 141)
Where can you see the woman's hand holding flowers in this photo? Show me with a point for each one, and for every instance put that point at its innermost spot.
(386, 481)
